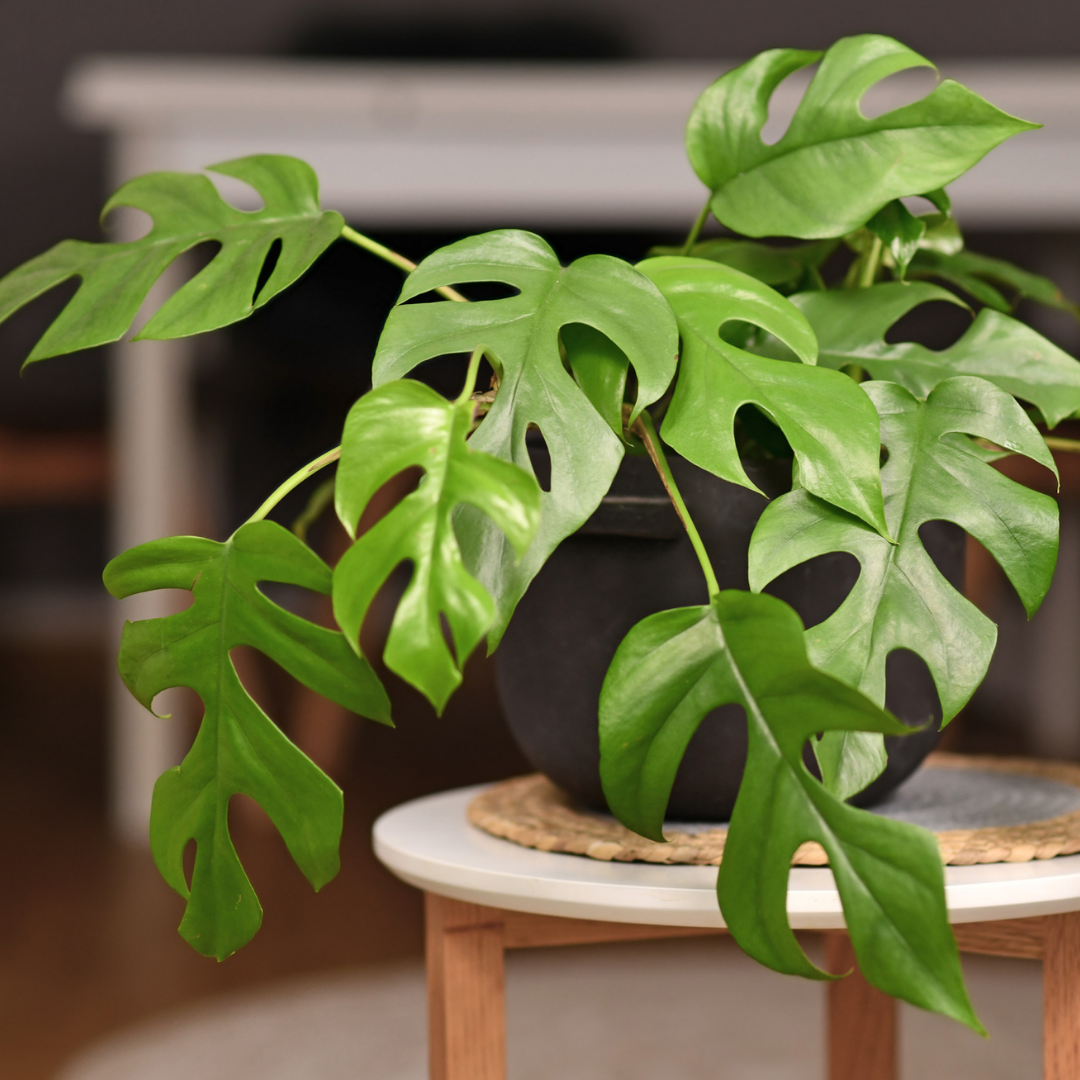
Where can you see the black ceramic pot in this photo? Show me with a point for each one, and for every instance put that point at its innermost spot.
(633, 558)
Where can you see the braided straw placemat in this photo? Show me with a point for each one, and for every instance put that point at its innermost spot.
(533, 812)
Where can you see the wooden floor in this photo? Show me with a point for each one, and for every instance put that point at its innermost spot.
(87, 929)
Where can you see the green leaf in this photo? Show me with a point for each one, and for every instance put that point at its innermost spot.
(186, 211)
(238, 748)
(833, 169)
(827, 419)
(851, 325)
(600, 368)
(394, 427)
(784, 268)
(978, 274)
(521, 334)
(901, 600)
(942, 234)
(900, 231)
(675, 667)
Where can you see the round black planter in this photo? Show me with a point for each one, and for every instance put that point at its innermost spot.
(633, 558)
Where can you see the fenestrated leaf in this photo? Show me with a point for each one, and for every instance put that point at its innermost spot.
(238, 748)
(392, 428)
(522, 336)
(784, 268)
(186, 211)
(675, 667)
(851, 324)
(827, 419)
(833, 169)
(901, 600)
(980, 275)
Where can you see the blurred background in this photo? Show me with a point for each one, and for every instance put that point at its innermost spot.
(87, 929)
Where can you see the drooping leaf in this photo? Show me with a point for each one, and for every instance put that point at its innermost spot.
(981, 276)
(394, 427)
(784, 268)
(186, 211)
(675, 667)
(901, 600)
(827, 419)
(851, 324)
(833, 169)
(238, 747)
(522, 336)
(900, 231)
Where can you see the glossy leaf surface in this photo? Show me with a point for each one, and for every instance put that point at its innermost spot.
(851, 324)
(833, 168)
(901, 600)
(670, 671)
(827, 419)
(982, 277)
(392, 428)
(238, 747)
(186, 211)
(522, 335)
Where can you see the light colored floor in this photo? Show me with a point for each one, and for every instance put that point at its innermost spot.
(677, 1010)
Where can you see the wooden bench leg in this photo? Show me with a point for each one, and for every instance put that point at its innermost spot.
(1061, 997)
(861, 1020)
(466, 1013)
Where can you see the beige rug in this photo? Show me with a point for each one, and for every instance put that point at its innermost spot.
(677, 1010)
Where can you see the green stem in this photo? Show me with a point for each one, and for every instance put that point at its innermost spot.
(294, 481)
(392, 257)
(868, 270)
(1056, 442)
(470, 375)
(695, 230)
(644, 427)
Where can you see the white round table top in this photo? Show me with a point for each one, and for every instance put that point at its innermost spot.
(429, 843)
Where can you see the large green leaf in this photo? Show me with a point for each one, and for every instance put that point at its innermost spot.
(982, 276)
(829, 422)
(186, 211)
(238, 748)
(851, 325)
(675, 667)
(833, 168)
(901, 600)
(522, 336)
(786, 269)
(392, 428)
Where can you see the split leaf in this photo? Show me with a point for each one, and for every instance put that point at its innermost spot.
(901, 600)
(521, 334)
(394, 427)
(833, 169)
(238, 747)
(851, 324)
(186, 211)
(829, 422)
(675, 667)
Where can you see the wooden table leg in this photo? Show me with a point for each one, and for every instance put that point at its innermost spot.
(466, 1013)
(1061, 997)
(861, 1020)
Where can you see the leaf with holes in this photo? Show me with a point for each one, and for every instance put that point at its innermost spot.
(901, 600)
(851, 324)
(521, 334)
(675, 667)
(833, 169)
(786, 269)
(982, 277)
(829, 422)
(392, 428)
(238, 749)
(186, 211)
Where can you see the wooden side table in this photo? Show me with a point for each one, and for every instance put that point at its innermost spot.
(485, 895)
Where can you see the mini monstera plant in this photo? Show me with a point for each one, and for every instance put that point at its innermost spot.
(606, 358)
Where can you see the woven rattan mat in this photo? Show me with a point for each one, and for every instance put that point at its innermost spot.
(982, 810)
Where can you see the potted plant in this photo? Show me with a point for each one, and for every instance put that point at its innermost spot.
(724, 356)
